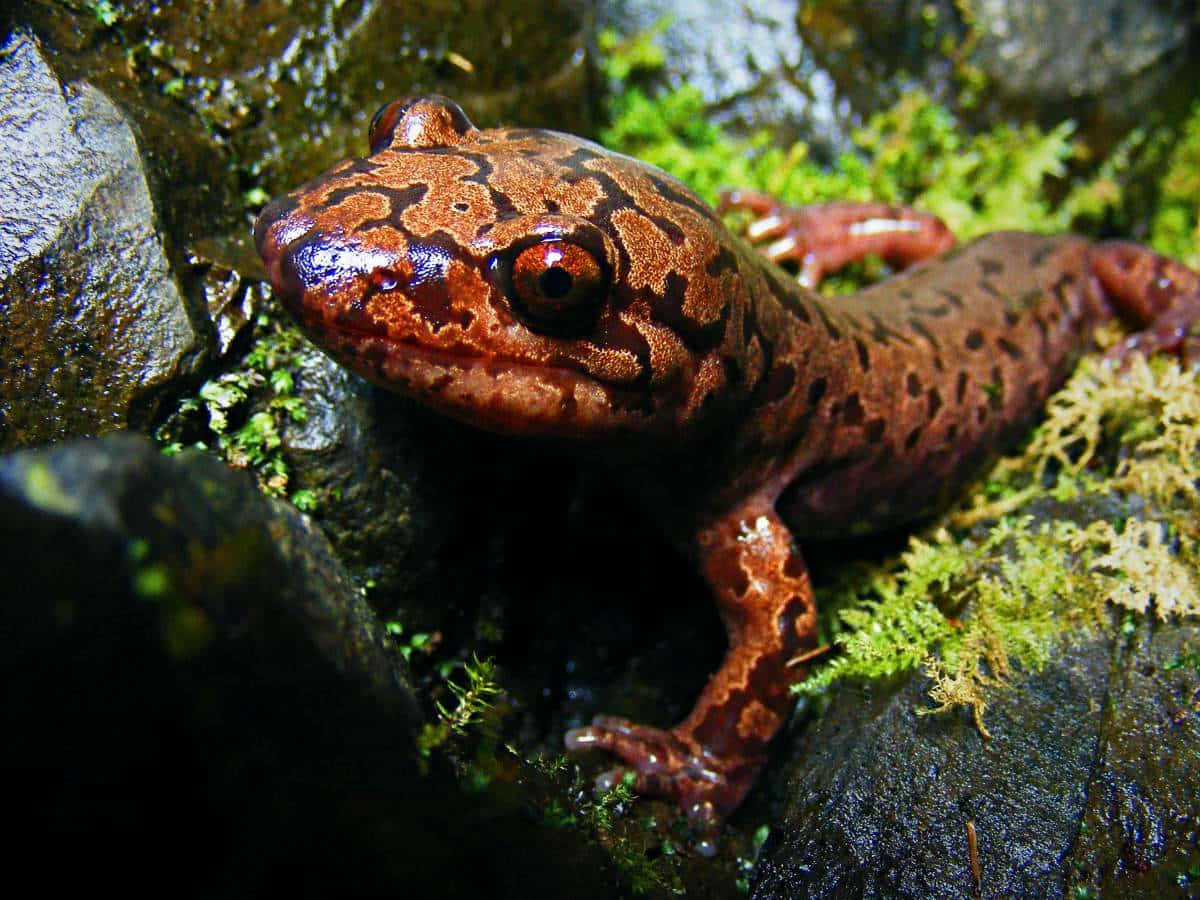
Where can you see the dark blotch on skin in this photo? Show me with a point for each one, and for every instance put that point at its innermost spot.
(912, 384)
(913, 437)
(974, 339)
(833, 331)
(776, 385)
(875, 430)
(990, 266)
(864, 358)
(816, 391)
(919, 327)
(960, 391)
(935, 403)
(956, 300)
(852, 411)
(724, 261)
(794, 567)
(1009, 349)
(1040, 255)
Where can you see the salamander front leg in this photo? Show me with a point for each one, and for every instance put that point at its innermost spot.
(708, 761)
(823, 237)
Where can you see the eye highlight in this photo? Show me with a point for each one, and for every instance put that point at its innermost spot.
(558, 286)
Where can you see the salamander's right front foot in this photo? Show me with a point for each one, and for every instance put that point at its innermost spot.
(668, 764)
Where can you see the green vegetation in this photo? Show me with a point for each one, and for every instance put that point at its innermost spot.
(1175, 229)
(472, 701)
(245, 408)
(917, 152)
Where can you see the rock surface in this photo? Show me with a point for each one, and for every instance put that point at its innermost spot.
(197, 695)
(93, 318)
(1089, 782)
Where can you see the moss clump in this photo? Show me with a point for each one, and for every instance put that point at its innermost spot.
(471, 702)
(916, 153)
(1175, 228)
(243, 411)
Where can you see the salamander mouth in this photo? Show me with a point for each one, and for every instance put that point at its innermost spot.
(496, 392)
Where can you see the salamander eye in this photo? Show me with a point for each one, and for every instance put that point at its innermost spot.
(558, 286)
(416, 123)
(379, 132)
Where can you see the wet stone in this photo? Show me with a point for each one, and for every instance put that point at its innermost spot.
(93, 320)
(1085, 784)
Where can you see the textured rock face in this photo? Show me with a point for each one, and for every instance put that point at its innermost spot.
(92, 315)
(1088, 782)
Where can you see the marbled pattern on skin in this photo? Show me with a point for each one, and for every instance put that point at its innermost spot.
(535, 284)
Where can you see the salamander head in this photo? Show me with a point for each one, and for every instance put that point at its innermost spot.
(526, 281)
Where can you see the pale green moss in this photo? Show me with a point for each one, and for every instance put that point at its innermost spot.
(471, 702)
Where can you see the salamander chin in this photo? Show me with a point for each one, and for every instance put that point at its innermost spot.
(501, 395)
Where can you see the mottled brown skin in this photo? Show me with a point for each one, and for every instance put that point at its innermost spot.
(536, 284)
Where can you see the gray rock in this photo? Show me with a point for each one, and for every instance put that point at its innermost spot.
(93, 320)
(1089, 779)
(749, 61)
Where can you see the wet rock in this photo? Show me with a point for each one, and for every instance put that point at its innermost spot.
(392, 480)
(1140, 834)
(1102, 65)
(196, 694)
(93, 319)
(201, 557)
(279, 89)
(1084, 782)
(750, 63)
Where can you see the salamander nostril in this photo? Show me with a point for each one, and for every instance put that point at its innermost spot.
(556, 282)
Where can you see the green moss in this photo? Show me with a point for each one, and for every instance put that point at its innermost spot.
(471, 701)
(917, 153)
(1175, 228)
(241, 412)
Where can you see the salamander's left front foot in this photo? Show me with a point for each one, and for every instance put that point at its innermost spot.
(823, 237)
(668, 764)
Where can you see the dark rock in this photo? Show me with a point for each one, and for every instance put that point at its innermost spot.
(750, 63)
(1140, 834)
(1086, 770)
(279, 89)
(197, 695)
(392, 481)
(93, 320)
(202, 557)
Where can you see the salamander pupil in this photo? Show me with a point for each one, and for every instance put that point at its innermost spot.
(555, 283)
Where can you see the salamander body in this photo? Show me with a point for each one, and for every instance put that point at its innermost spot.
(535, 284)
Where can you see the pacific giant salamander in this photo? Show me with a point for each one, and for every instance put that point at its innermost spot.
(535, 284)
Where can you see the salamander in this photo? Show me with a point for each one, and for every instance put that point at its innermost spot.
(535, 284)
